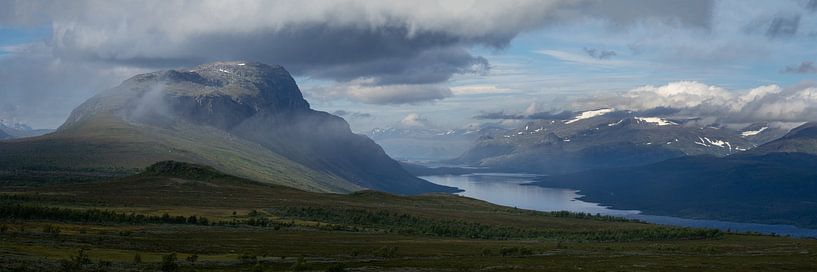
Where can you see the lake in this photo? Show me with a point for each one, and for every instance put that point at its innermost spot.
(509, 190)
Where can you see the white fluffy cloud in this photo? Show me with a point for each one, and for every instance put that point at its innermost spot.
(689, 98)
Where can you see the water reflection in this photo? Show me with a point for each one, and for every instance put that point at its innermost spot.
(508, 190)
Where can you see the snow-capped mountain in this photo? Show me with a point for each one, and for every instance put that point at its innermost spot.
(603, 138)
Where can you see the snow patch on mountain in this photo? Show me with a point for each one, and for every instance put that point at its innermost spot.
(753, 132)
(589, 114)
(655, 120)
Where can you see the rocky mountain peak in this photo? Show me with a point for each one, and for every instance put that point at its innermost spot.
(221, 94)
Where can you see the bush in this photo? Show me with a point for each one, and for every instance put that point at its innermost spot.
(192, 258)
(169, 263)
(247, 258)
(336, 268)
(76, 263)
(299, 265)
(386, 252)
(50, 229)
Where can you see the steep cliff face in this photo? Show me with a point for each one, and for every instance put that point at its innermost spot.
(237, 113)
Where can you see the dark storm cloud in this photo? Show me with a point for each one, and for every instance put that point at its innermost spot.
(806, 67)
(381, 52)
(622, 13)
(389, 55)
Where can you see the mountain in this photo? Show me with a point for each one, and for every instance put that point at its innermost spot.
(9, 130)
(773, 183)
(802, 139)
(246, 119)
(602, 138)
(761, 133)
(428, 144)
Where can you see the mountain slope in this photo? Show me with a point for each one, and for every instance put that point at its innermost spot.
(802, 139)
(599, 139)
(247, 119)
(775, 183)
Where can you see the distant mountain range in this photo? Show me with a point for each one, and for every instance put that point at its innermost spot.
(11, 130)
(243, 118)
(773, 183)
(606, 138)
(428, 144)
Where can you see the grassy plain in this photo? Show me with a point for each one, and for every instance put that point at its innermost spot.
(261, 227)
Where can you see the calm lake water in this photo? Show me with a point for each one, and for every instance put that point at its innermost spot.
(508, 190)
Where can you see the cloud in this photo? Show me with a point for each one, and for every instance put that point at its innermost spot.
(585, 59)
(41, 91)
(501, 115)
(530, 113)
(783, 27)
(379, 52)
(414, 120)
(770, 103)
(352, 114)
(365, 91)
(479, 89)
(599, 54)
(806, 67)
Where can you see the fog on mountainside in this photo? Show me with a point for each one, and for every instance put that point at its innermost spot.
(245, 118)
(408, 135)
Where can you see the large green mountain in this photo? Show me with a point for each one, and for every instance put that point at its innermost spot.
(773, 183)
(246, 119)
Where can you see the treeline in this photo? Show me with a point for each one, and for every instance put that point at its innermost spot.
(402, 223)
(23, 212)
(340, 219)
(408, 224)
(581, 215)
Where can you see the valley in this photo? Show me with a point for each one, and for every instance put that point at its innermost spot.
(225, 167)
(205, 220)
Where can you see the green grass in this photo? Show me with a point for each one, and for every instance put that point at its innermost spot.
(107, 144)
(365, 231)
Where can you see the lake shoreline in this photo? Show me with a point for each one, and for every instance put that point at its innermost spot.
(520, 190)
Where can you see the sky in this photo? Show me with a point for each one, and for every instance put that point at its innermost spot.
(432, 64)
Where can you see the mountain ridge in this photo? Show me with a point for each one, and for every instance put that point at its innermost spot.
(603, 138)
(766, 185)
(244, 118)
